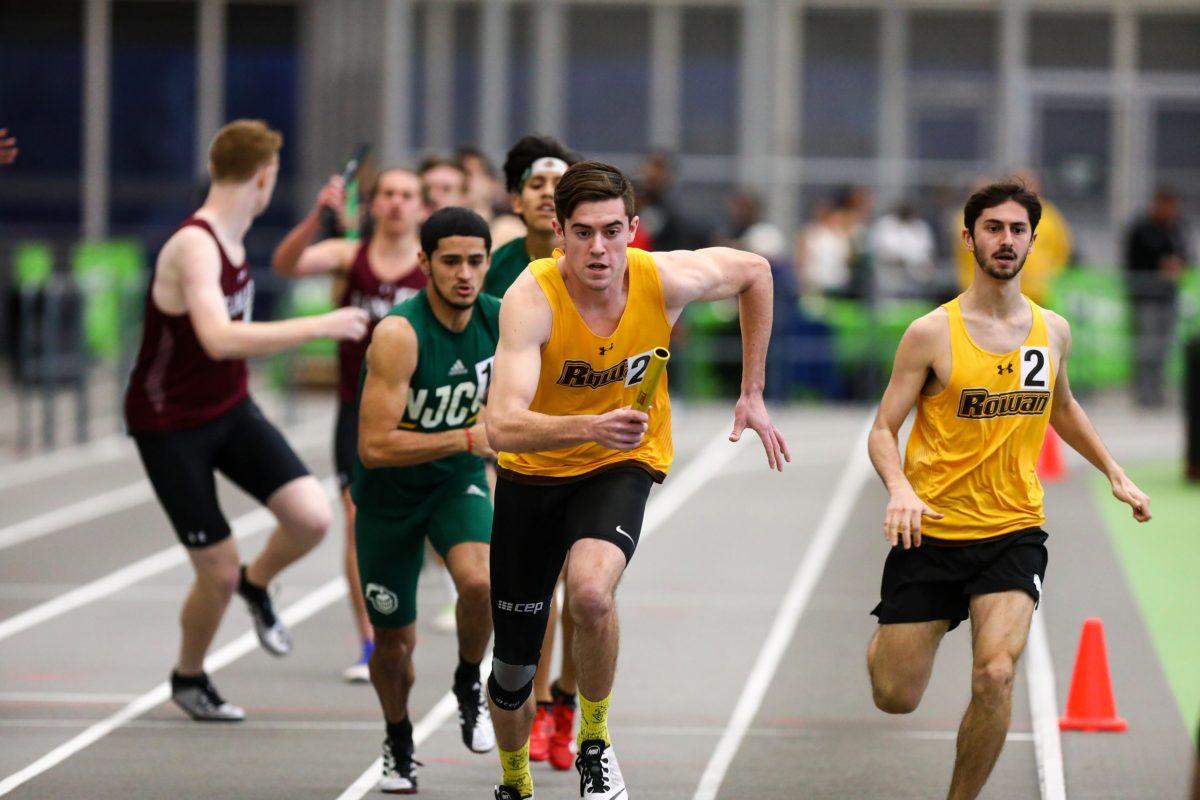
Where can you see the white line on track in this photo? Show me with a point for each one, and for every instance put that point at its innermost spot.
(248, 524)
(1043, 709)
(841, 503)
(294, 614)
(664, 502)
(81, 511)
(68, 459)
(112, 501)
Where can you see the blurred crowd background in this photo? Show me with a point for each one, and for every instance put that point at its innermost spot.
(838, 138)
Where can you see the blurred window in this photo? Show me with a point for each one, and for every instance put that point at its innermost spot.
(153, 104)
(520, 73)
(42, 44)
(608, 77)
(467, 44)
(1169, 42)
(840, 113)
(262, 61)
(1070, 40)
(711, 60)
(953, 43)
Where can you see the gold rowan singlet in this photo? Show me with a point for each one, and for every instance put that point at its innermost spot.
(583, 373)
(973, 450)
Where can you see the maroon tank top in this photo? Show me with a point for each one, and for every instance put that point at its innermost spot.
(364, 290)
(175, 384)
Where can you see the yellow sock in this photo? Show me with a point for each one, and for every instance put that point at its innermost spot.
(515, 764)
(593, 719)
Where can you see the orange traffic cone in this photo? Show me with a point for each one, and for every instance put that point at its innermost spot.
(1050, 465)
(1090, 704)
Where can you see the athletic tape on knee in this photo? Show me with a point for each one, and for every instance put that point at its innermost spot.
(511, 684)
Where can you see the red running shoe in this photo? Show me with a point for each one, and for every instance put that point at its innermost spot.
(540, 735)
(562, 742)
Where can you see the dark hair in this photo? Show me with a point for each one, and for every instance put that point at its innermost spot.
(527, 150)
(588, 182)
(996, 194)
(453, 221)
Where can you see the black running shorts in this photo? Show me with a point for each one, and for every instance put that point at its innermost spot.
(345, 443)
(937, 581)
(241, 443)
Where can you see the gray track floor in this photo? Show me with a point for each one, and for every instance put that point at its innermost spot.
(695, 605)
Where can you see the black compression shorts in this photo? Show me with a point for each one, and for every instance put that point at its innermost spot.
(241, 443)
(533, 528)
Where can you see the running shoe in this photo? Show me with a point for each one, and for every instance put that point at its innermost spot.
(399, 769)
(599, 776)
(539, 735)
(360, 671)
(474, 719)
(509, 793)
(272, 634)
(201, 701)
(562, 740)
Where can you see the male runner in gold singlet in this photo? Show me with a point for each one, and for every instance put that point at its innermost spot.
(987, 372)
(576, 462)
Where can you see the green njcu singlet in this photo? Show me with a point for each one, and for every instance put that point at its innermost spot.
(445, 393)
(508, 262)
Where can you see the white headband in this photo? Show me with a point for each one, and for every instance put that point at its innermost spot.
(555, 166)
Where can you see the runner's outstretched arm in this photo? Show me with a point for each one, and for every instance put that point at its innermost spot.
(914, 359)
(1072, 424)
(391, 361)
(715, 273)
(192, 255)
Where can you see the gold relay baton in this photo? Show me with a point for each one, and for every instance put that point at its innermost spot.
(654, 373)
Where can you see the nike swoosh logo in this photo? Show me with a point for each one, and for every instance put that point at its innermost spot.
(626, 535)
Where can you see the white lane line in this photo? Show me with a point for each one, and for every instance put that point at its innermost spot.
(69, 698)
(109, 502)
(664, 502)
(249, 524)
(433, 719)
(82, 511)
(1043, 709)
(68, 459)
(849, 485)
(294, 614)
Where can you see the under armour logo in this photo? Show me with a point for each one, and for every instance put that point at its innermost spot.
(1000, 369)
(608, 349)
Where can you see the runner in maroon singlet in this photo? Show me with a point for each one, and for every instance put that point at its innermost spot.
(374, 275)
(189, 411)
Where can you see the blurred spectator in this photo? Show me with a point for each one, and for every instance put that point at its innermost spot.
(902, 254)
(858, 208)
(444, 181)
(1049, 256)
(663, 226)
(746, 229)
(8, 147)
(487, 198)
(1155, 258)
(822, 257)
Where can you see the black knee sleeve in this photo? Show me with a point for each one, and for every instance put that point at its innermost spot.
(510, 684)
(519, 628)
